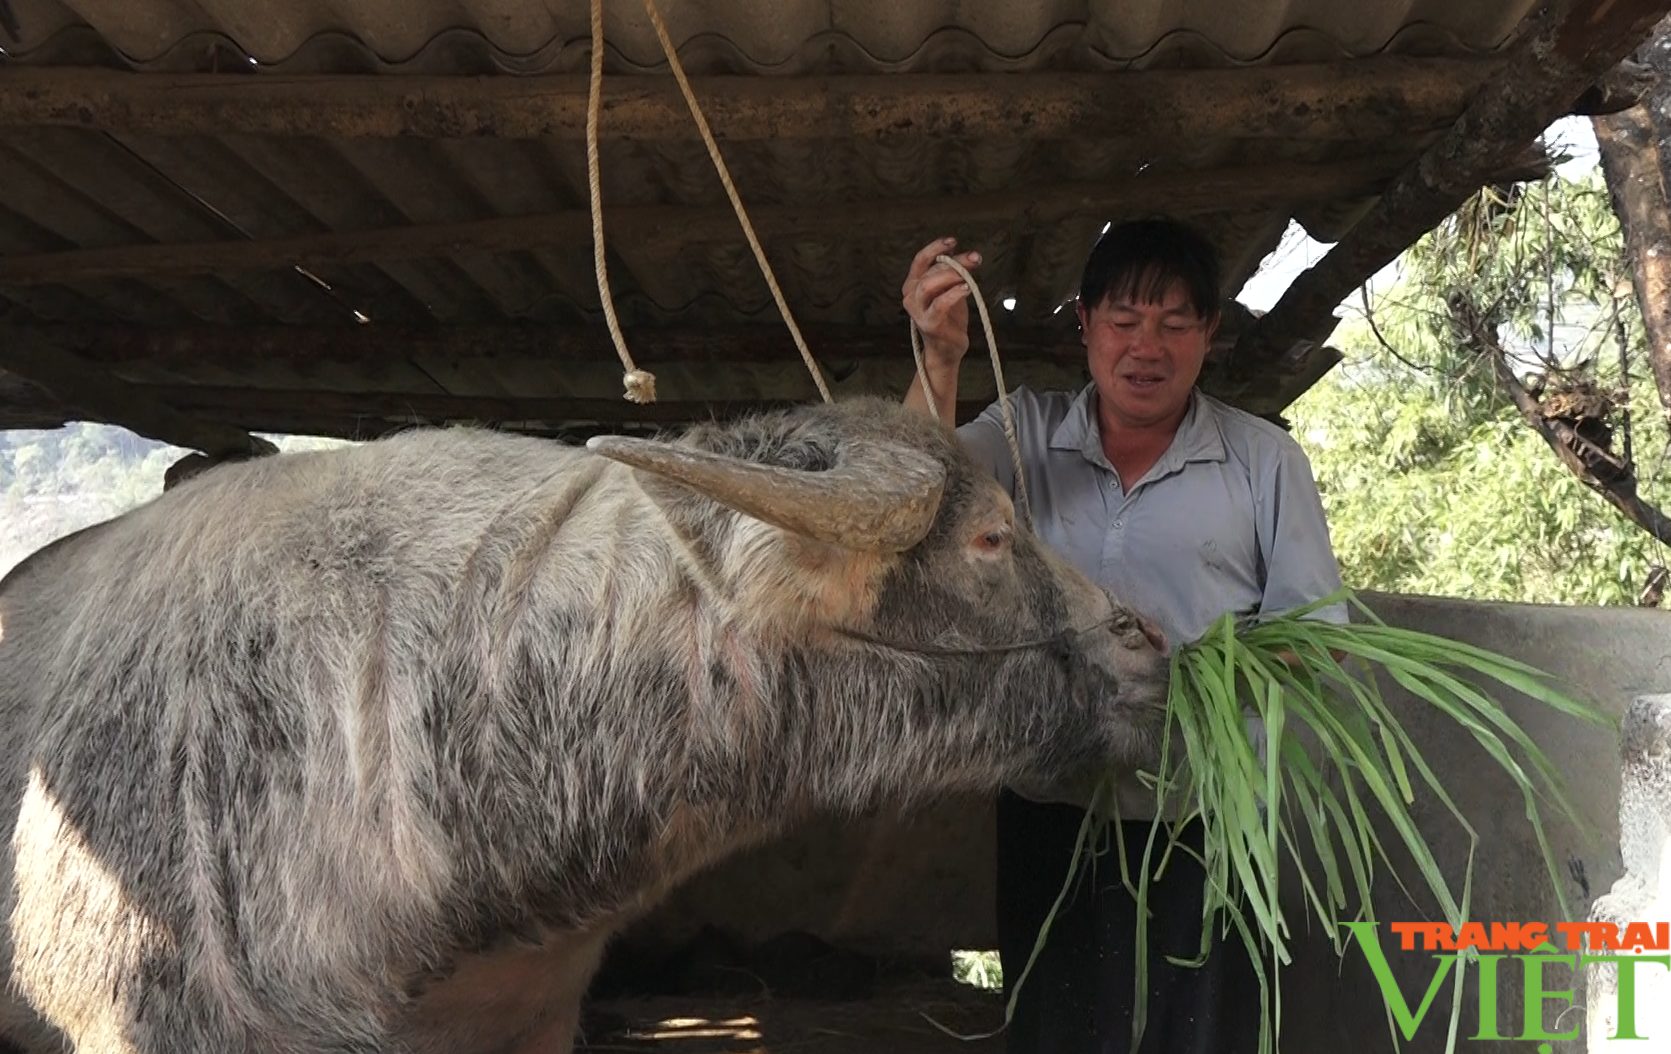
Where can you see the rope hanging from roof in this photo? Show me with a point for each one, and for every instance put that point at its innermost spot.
(637, 380)
(736, 201)
(640, 384)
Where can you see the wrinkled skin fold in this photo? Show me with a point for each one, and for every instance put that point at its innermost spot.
(371, 750)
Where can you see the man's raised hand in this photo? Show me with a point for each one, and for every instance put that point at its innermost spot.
(936, 298)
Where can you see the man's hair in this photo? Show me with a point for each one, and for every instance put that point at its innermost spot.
(1141, 259)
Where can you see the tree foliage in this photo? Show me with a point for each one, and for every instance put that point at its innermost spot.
(1432, 481)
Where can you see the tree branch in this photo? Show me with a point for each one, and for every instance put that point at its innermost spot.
(1375, 331)
(1568, 445)
(1631, 164)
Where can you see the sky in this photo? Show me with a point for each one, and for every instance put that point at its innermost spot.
(1571, 136)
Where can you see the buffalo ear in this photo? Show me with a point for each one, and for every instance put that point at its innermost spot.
(879, 497)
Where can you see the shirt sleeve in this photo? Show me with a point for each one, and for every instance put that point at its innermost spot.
(1300, 564)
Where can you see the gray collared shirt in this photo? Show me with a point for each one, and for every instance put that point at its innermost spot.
(1228, 519)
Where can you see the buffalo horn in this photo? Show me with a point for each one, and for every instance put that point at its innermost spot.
(879, 497)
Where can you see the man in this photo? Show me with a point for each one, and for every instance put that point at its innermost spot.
(1184, 507)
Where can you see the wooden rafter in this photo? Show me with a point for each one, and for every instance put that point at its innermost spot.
(367, 415)
(99, 396)
(1564, 49)
(537, 378)
(563, 377)
(305, 349)
(1033, 208)
(1365, 100)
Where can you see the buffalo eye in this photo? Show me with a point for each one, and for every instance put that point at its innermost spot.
(993, 541)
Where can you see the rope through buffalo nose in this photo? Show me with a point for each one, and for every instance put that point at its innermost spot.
(1119, 622)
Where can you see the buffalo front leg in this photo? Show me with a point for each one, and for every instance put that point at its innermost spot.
(557, 1037)
(519, 999)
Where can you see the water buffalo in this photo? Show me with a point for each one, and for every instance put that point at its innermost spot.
(372, 749)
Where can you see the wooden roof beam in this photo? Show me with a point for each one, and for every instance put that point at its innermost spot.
(305, 349)
(368, 415)
(1565, 48)
(1031, 208)
(79, 386)
(377, 370)
(1364, 100)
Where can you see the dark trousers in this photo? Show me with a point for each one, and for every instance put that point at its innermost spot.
(1078, 998)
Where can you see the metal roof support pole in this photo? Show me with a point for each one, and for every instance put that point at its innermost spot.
(1565, 47)
(110, 400)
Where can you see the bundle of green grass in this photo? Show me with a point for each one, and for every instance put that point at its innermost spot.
(1313, 685)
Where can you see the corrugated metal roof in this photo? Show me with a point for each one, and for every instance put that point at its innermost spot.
(63, 188)
(782, 37)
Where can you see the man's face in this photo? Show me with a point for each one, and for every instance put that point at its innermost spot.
(1145, 358)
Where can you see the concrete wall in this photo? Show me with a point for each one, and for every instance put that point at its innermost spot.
(918, 886)
(1611, 656)
(1643, 894)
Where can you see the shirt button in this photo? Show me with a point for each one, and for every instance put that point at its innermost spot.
(1119, 523)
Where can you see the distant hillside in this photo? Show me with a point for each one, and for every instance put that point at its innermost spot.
(59, 481)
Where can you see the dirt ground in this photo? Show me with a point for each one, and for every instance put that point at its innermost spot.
(895, 1020)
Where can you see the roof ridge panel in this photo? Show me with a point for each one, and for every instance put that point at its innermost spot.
(460, 51)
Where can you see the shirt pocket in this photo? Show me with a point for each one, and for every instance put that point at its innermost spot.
(1213, 544)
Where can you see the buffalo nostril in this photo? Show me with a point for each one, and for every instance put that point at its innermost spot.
(1154, 635)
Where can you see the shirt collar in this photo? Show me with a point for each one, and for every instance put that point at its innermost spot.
(1199, 437)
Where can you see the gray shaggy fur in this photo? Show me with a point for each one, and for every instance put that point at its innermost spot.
(370, 750)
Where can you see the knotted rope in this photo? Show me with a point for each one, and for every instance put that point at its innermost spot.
(640, 384)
